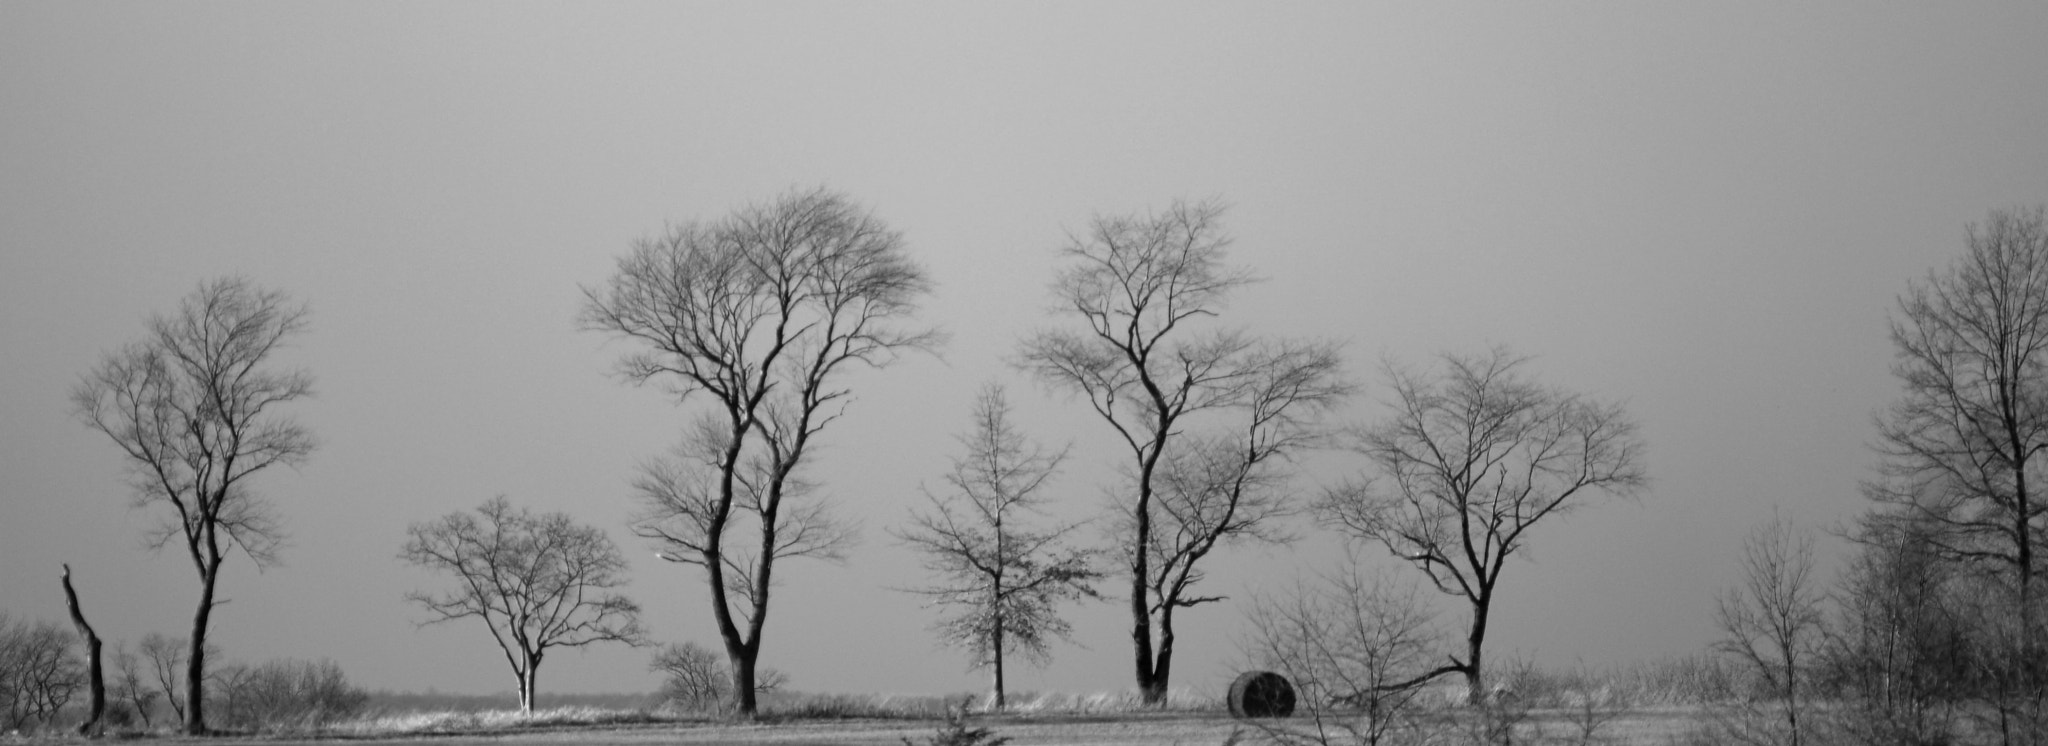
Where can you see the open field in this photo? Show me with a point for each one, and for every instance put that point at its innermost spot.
(1653, 726)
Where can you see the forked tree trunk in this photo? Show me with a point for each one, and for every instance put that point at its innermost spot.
(529, 681)
(97, 680)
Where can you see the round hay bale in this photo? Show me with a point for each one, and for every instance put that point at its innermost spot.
(1261, 694)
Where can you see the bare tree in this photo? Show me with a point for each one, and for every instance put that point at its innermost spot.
(537, 581)
(130, 684)
(1346, 642)
(764, 312)
(1972, 349)
(166, 655)
(1774, 621)
(1475, 455)
(1959, 448)
(39, 672)
(193, 409)
(1900, 648)
(1004, 578)
(1142, 286)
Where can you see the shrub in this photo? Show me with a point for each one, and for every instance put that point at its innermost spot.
(39, 672)
(695, 679)
(285, 694)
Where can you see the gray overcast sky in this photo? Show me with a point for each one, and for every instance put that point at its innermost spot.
(1703, 209)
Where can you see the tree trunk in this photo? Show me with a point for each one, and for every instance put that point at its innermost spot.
(195, 662)
(98, 682)
(1151, 686)
(1150, 689)
(1162, 659)
(1162, 672)
(529, 680)
(998, 649)
(745, 704)
(1475, 678)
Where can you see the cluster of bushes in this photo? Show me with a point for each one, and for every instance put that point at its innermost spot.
(283, 694)
(1923, 648)
(43, 686)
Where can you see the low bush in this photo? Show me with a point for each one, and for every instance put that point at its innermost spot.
(284, 695)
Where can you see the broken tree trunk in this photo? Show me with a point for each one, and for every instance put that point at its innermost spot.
(92, 725)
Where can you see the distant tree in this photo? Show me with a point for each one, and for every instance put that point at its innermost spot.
(695, 678)
(764, 312)
(1210, 417)
(166, 655)
(1774, 622)
(131, 685)
(39, 672)
(286, 692)
(1002, 579)
(1901, 648)
(193, 409)
(1474, 456)
(537, 581)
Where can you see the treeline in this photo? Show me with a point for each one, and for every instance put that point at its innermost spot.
(754, 323)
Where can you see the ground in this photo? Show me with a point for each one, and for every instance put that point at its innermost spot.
(1648, 727)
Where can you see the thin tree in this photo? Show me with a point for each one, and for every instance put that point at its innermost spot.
(1774, 621)
(130, 686)
(538, 581)
(763, 312)
(1208, 416)
(166, 655)
(1475, 455)
(1003, 578)
(193, 409)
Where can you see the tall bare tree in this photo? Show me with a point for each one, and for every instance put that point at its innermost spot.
(193, 409)
(1774, 622)
(1003, 577)
(1959, 448)
(763, 312)
(1475, 455)
(1209, 416)
(538, 581)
